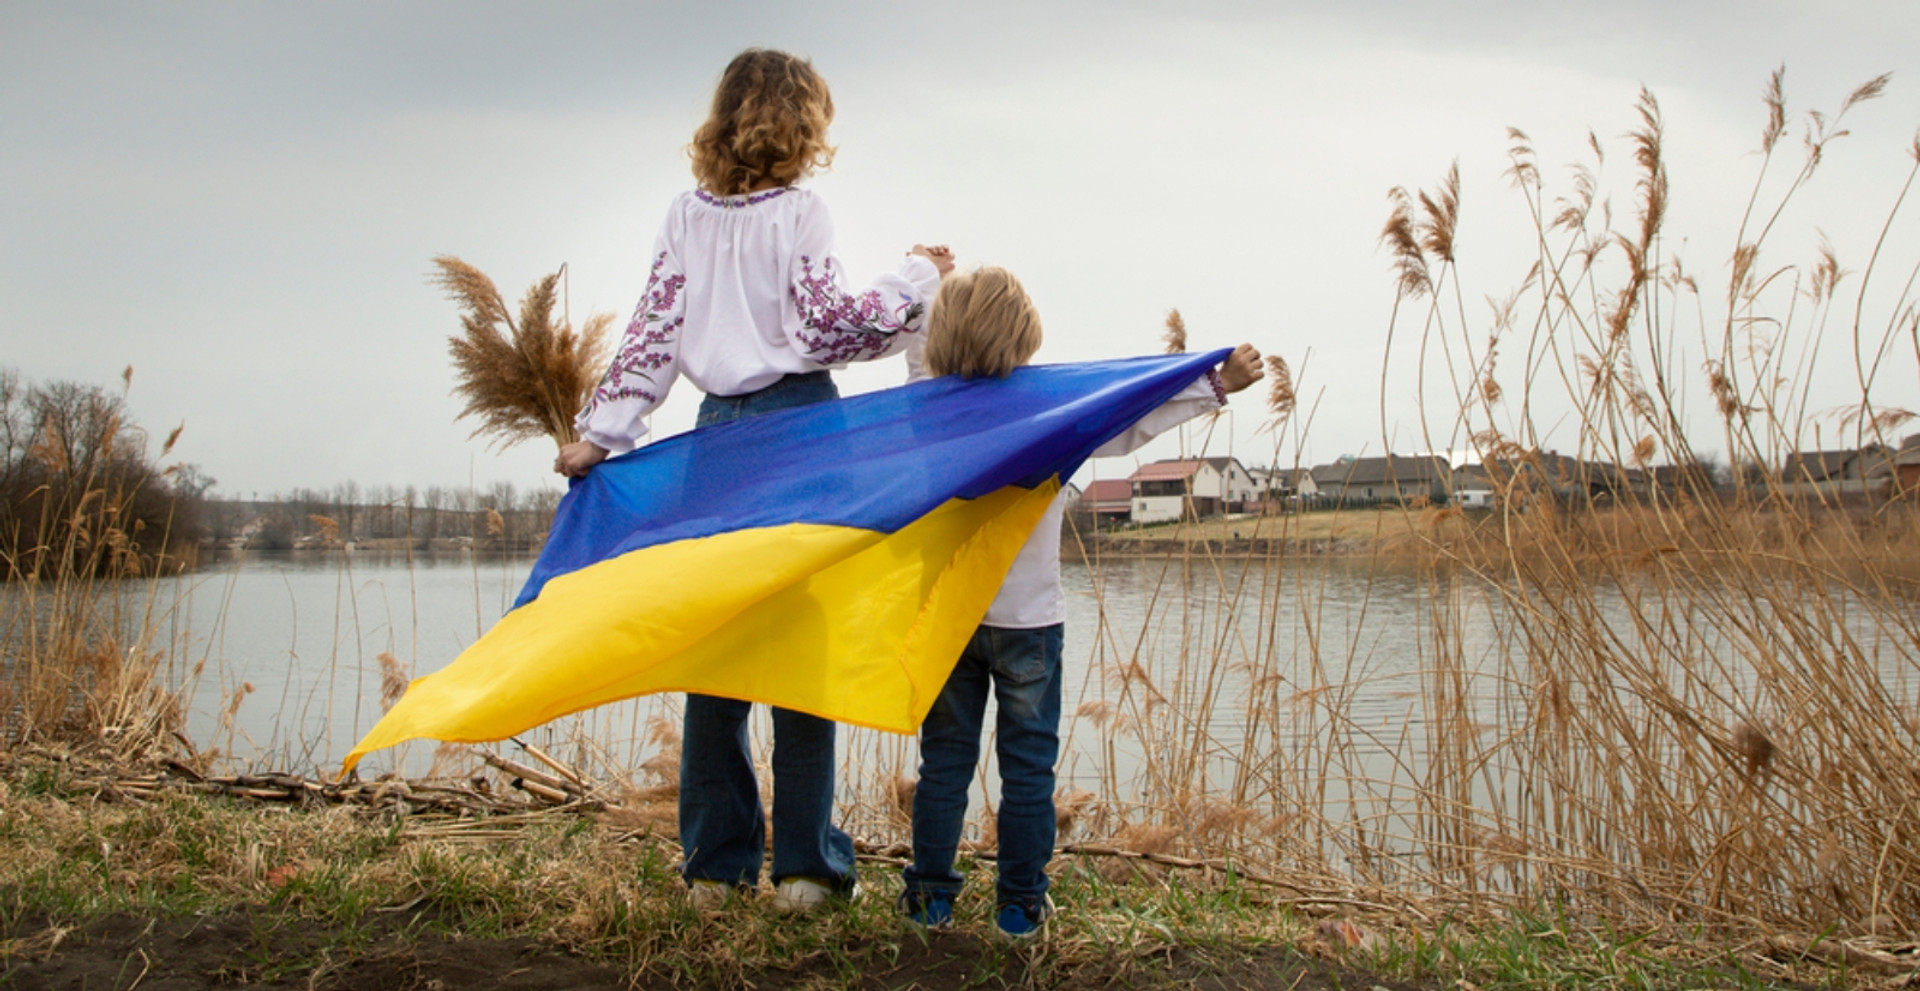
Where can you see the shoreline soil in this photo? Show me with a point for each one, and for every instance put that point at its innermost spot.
(184, 888)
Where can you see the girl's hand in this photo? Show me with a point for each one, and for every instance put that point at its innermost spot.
(940, 255)
(578, 458)
(1241, 369)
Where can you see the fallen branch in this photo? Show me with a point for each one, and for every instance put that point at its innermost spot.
(522, 772)
(1833, 951)
(579, 780)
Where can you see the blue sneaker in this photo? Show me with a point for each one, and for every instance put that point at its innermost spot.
(927, 909)
(1018, 922)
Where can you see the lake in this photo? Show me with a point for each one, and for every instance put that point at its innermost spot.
(286, 646)
(1275, 684)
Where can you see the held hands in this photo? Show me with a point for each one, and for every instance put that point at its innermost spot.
(579, 457)
(1241, 369)
(940, 255)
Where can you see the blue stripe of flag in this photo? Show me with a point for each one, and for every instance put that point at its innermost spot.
(877, 461)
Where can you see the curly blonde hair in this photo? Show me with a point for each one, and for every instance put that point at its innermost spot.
(983, 324)
(769, 121)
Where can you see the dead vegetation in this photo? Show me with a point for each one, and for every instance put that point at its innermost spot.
(524, 377)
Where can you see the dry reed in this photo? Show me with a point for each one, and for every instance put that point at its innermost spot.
(1175, 337)
(524, 377)
(82, 656)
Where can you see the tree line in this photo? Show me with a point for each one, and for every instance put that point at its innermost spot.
(79, 493)
(499, 516)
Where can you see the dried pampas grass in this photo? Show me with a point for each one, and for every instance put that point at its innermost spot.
(526, 377)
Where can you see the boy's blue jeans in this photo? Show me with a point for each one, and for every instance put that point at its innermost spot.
(722, 826)
(1022, 669)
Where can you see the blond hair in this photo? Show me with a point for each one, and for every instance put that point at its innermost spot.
(768, 122)
(983, 325)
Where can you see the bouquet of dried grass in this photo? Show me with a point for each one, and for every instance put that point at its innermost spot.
(522, 378)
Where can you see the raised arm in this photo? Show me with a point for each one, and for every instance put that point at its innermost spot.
(832, 325)
(1206, 394)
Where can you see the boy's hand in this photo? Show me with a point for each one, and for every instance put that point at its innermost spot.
(940, 255)
(578, 458)
(1241, 369)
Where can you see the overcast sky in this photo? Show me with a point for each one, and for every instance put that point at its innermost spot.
(240, 200)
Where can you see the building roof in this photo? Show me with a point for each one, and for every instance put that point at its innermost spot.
(1108, 490)
(1560, 472)
(1167, 471)
(1375, 471)
(1829, 466)
(1180, 469)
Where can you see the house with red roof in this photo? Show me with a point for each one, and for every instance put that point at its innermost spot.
(1196, 488)
(1110, 500)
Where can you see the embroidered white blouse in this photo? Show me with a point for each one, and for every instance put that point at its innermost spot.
(743, 290)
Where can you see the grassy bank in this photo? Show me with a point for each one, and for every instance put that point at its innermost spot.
(1357, 531)
(180, 887)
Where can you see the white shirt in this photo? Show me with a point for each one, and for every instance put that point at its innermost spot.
(1030, 596)
(743, 290)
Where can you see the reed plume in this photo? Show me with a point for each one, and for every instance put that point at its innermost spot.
(524, 377)
(1443, 215)
(1280, 396)
(393, 680)
(1176, 335)
(1409, 262)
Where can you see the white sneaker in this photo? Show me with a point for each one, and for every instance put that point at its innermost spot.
(805, 894)
(708, 897)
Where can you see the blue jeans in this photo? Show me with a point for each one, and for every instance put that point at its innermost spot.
(1023, 667)
(722, 827)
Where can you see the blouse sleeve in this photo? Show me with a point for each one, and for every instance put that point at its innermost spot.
(832, 325)
(645, 364)
(1205, 395)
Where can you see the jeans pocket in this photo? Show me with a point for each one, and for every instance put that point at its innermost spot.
(1021, 657)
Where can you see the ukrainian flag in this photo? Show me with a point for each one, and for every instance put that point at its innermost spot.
(832, 559)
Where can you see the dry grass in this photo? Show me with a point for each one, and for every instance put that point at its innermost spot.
(82, 655)
(1356, 530)
(524, 377)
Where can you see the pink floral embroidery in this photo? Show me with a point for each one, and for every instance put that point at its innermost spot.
(645, 348)
(838, 327)
(1219, 386)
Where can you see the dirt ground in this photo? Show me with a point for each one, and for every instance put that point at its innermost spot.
(259, 950)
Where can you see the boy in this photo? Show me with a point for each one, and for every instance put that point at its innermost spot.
(983, 323)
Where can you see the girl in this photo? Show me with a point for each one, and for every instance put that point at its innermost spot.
(745, 298)
(984, 325)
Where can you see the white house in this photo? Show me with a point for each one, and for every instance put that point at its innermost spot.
(1473, 498)
(1195, 487)
(1280, 485)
